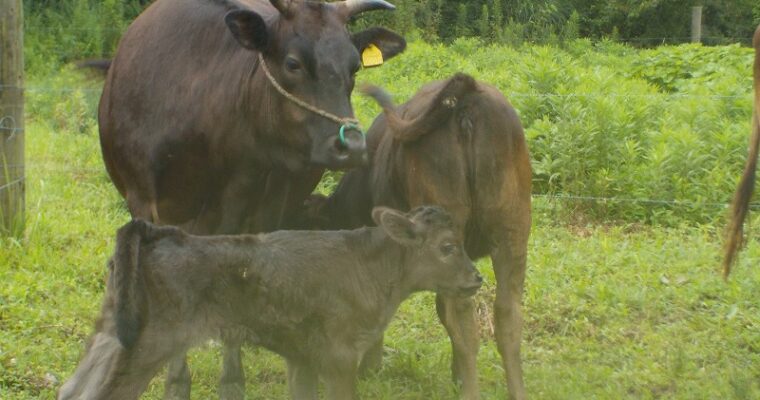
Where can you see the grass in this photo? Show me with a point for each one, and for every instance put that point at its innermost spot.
(612, 312)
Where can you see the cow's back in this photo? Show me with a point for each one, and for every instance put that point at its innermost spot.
(476, 164)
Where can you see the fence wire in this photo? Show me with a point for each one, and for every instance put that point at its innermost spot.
(61, 168)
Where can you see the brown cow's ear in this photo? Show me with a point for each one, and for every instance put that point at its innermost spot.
(389, 43)
(397, 225)
(248, 28)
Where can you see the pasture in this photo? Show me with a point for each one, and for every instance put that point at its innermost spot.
(623, 299)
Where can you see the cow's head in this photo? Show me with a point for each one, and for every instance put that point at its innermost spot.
(437, 258)
(309, 53)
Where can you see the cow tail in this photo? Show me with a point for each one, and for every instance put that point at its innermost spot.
(128, 283)
(440, 108)
(740, 204)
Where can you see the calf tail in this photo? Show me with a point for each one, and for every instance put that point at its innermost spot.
(128, 284)
(441, 107)
(740, 204)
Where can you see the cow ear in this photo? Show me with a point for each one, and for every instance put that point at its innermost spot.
(389, 43)
(397, 225)
(248, 28)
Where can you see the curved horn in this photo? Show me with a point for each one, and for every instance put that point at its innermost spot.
(350, 8)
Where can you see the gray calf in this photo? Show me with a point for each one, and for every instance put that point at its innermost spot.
(319, 299)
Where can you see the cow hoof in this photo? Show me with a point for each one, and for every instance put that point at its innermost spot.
(177, 391)
(371, 362)
(231, 391)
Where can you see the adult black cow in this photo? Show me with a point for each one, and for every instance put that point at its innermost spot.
(219, 116)
(459, 144)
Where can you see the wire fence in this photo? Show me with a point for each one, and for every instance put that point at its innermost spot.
(45, 168)
(7, 124)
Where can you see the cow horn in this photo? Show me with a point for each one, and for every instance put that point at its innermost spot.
(283, 6)
(350, 8)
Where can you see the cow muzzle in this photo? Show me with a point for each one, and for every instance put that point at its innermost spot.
(347, 149)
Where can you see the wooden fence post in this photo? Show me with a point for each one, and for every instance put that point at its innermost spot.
(12, 185)
(696, 24)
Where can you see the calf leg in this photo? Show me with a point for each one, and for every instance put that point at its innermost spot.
(373, 358)
(302, 381)
(509, 263)
(177, 386)
(341, 383)
(232, 381)
(458, 316)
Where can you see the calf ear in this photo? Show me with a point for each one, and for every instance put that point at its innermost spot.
(389, 43)
(248, 28)
(396, 225)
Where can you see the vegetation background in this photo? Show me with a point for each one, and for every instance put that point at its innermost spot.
(636, 149)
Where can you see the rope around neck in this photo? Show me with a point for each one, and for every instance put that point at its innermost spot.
(345, 123)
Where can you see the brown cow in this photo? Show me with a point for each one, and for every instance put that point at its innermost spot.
(319, 299)
(740, 206)
(220, 115)
(458, 144)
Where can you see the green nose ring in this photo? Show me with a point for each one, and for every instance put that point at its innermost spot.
(348, 125)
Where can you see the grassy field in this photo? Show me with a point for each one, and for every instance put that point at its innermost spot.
(613, 311)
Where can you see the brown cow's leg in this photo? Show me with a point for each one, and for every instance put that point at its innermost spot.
(142, 208)
(232, 381)
(302, 381)
(509, 262)
(458, 316)
(177, 385)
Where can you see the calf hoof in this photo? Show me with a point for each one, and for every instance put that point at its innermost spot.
(231, 391)
(371, 362)
(177, 391)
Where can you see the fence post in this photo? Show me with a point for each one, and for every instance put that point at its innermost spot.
(12, 185)
(696, 24)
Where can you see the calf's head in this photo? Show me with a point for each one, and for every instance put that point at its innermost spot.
(438, 260)
(310, 58)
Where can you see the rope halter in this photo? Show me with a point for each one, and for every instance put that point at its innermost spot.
(345, 123)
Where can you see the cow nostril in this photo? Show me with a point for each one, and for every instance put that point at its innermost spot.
(339, 145)
(479, 278)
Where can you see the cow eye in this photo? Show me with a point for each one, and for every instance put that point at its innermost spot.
(449, 249)
(356, 69)
(292, 64)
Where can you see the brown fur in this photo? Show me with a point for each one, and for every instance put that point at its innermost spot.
(458, 144)
(193, 134)
(319, 299)
(740, 204)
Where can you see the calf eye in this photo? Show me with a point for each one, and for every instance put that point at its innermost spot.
(356, 69)
(292, 64)
(449, 249)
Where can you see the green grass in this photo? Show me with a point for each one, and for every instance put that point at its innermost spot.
(611, 311)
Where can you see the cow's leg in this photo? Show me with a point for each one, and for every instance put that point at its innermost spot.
(232, 380)
(177, 386)
(142, 207)
(509, 263)
(270, 213)
(340, 381)
(373, 358)
(458, 316)
(302, 381)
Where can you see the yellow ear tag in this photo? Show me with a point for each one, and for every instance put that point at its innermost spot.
(372, 56)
